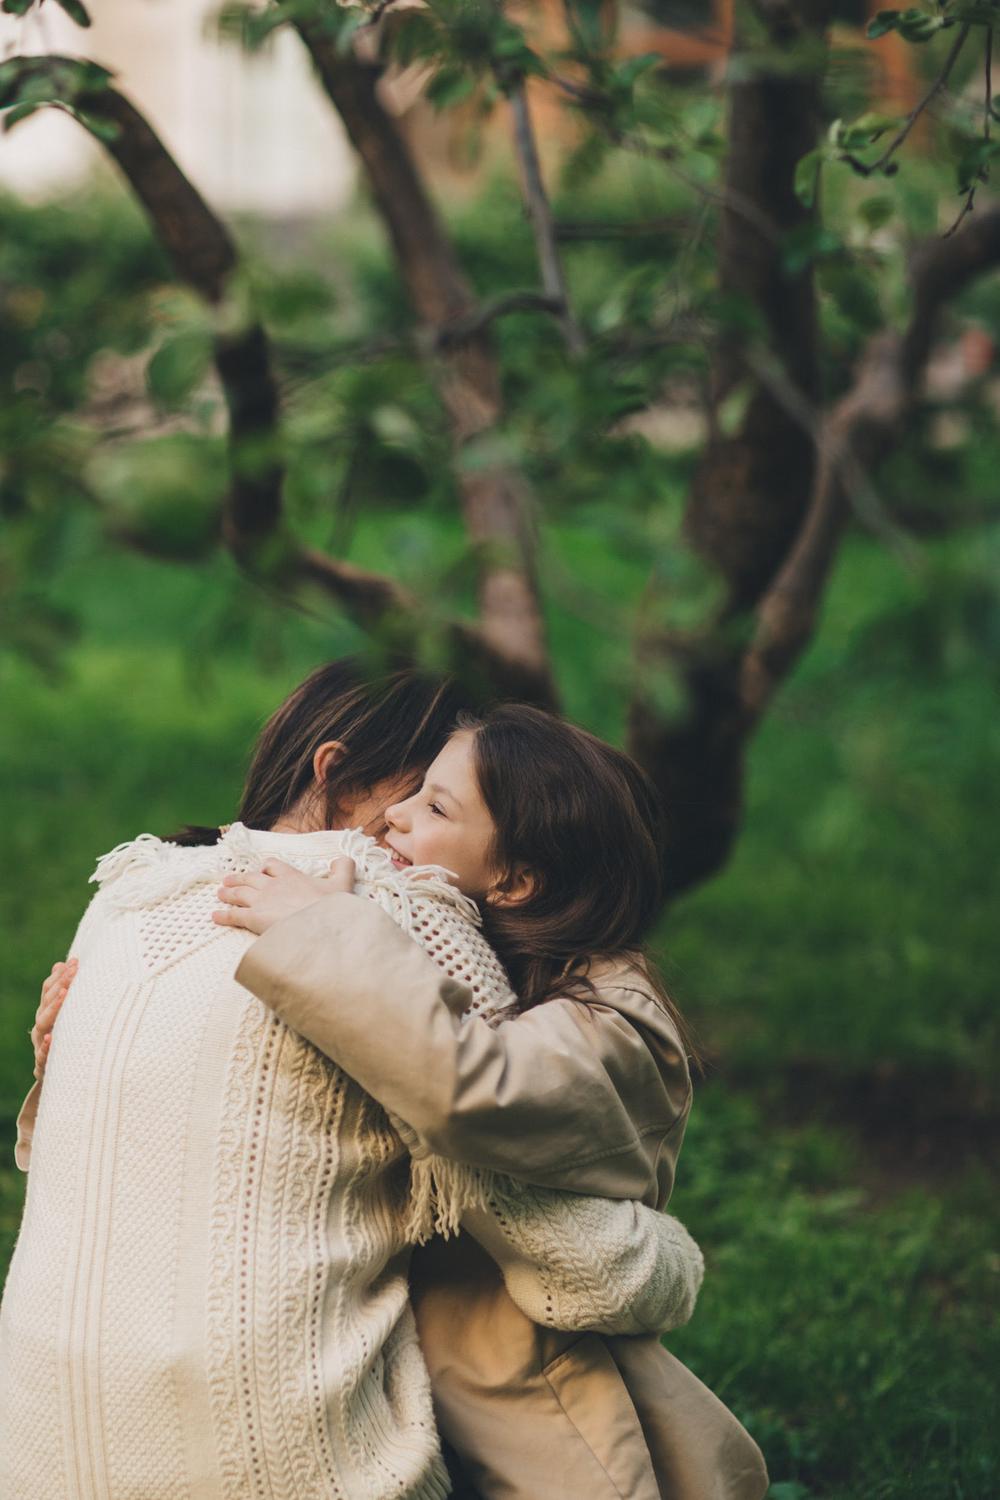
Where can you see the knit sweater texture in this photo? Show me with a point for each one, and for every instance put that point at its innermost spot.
(208, 1298)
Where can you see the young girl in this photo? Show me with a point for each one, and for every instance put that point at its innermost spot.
(258, 1134)
(554, 834)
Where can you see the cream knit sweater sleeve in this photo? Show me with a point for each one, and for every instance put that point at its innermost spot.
(580, 1263)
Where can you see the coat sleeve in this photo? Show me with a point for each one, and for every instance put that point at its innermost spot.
(589, 1264)
(585, 1096)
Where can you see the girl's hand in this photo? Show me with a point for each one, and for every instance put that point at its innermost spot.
(54, 991)
(256, 901)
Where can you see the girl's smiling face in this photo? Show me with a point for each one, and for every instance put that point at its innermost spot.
(446, 822)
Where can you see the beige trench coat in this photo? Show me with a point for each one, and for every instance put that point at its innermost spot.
(591, 1097)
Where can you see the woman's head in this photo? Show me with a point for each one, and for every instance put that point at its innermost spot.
(343, 746)
(554, 832)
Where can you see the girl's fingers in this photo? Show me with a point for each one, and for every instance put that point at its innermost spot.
(230, 916)
(45, 1015)
(45, 1018)
(235, 895)
(253, 878)
(343, 873)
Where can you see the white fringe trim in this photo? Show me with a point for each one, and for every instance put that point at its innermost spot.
(157, 871)
(440, 1192)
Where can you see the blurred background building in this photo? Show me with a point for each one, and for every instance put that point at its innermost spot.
(255, 133)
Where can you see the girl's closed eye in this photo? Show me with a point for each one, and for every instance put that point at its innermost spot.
(436, 808)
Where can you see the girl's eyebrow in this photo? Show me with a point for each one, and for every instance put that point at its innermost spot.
(442, 791)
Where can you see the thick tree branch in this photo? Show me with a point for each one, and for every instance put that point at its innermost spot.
(466, 372)
(204, 258)
(860, 431)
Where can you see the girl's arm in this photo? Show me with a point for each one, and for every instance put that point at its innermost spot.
(585, 1096)
(589, 1264)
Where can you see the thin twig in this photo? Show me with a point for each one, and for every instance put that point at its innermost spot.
(984, 171)
(540, 211)
(668, 155)
(460, 329)
(301, 359)
(870, 168)
(723, 197)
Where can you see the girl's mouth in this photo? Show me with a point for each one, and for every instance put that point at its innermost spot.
(399, 861)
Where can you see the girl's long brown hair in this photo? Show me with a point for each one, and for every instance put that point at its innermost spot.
(585, 821)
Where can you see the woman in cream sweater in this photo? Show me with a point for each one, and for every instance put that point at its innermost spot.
(224, 1218)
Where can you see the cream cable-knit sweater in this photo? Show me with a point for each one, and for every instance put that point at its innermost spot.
(208, 1297)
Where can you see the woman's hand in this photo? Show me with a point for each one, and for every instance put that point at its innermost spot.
(54, 991)
(256, 901)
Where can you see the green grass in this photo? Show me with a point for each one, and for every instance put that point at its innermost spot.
(850, 1328)
(850, 1334)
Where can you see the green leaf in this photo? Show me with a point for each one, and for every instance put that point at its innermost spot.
(854, 294)
(108, 131)
(449, 87)
(76, 11)
(918, 26)
(808, 243)
(915, 25)
(17, 114)
(634, 67)
(178, 366)
(865, 130)
(883, 22)
(415, 36)
(806, 179)
(248, 27)
(874, 212)
(973, 164)
(351, 23)
(17, 7)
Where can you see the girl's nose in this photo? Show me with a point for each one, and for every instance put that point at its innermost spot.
(395, 815)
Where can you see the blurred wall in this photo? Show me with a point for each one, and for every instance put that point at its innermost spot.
(251, 133)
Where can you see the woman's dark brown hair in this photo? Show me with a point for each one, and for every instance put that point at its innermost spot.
(585, 821)
(392, 726)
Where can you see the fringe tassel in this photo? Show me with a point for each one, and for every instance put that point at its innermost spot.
(440, 1192)
(158, 870)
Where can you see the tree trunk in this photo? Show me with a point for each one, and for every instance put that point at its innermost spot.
(752, 488)
(465, 371)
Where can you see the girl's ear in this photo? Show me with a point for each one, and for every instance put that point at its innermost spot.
(329, 754)
(519, 886)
